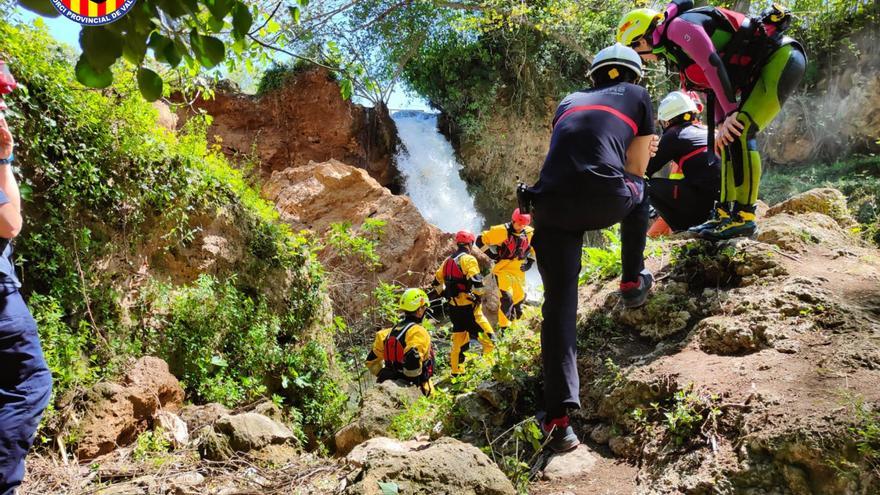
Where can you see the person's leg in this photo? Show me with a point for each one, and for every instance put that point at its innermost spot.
(665, 196)
(518, 292)
(25, 389)
(778, 79)
(633, 236)
(485, 334)
(460, 337)
(505, 292)
(558, 255)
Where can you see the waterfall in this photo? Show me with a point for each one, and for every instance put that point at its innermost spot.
(432, 179)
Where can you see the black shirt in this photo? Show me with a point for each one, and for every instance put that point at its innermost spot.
(685, 146)
(592, 130)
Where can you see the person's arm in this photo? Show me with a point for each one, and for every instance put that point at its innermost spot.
(696, 43)
(637, 155)
(439, 282)
(417, 349)
(642, 146)
(10, 200)
(376, 357)
(665, 154)
(471, 269)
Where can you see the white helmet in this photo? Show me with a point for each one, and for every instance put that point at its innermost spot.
(617, 54)
(675, 104)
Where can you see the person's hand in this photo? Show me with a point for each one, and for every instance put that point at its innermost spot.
(718, 146)
(655, 145)
(730, 129)
(6, 141)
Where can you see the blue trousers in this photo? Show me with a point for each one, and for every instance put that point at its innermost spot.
(560, 224)
(25, 387)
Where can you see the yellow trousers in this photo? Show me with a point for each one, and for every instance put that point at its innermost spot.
(512, 292)
(469, 322)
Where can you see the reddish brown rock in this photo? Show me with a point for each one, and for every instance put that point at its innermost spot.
(115, 414)
(315, 196)
(305, 120)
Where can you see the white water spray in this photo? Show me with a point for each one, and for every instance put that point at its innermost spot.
(433, 181)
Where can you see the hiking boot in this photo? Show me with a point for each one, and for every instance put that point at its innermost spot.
(562, 436)
(635, 294)
(741, 224)
(720, 216)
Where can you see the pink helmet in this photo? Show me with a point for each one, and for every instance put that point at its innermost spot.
(521, 218)
(464, 237)
(7, 83)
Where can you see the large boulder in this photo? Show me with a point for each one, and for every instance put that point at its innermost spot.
(252, 431)
(115, 414)
(446, 466)
(304, 120)
(315, 196)
(380, 405)
(827, 201)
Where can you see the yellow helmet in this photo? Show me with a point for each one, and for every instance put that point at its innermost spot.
(636, 24)
(412, 300)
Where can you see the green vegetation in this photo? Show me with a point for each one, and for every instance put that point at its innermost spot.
(115, 206)
(688, 414)
(858, 178)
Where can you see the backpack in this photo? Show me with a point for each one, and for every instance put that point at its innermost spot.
(395, 347)
(395, 351)
(454, 280)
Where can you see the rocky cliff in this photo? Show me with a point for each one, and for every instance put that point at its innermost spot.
(316, 196)
(304, 120)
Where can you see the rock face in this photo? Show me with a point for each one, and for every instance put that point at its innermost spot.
(840, 114)
(319, 194)
(446, 466)
(736, 392)
(115, 414)
(305, 120)
(510, 141)
(380, 405)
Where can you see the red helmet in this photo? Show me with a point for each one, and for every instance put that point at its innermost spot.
(464, 237)
(521, 218)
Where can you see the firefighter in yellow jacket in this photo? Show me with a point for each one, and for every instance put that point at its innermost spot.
(510, 245)
(404, 352)
(459, 281)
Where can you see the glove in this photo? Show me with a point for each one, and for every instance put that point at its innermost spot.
(527, 264)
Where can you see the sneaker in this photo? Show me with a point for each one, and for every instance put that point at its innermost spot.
(635, 294)
(741, 224)
(562, 436)
(720, 216)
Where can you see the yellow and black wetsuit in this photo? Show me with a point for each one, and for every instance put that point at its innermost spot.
(403, 352)
(459, 279)
(513, 254)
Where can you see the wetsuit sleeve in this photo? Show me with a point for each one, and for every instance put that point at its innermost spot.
(665, 154)
(646, 123)
(377, 354)
(439, 281)
(418, 347)
(471, 269)
(496, 235)
(696, 43)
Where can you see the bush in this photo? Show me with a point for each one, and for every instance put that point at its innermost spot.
(108, 193)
